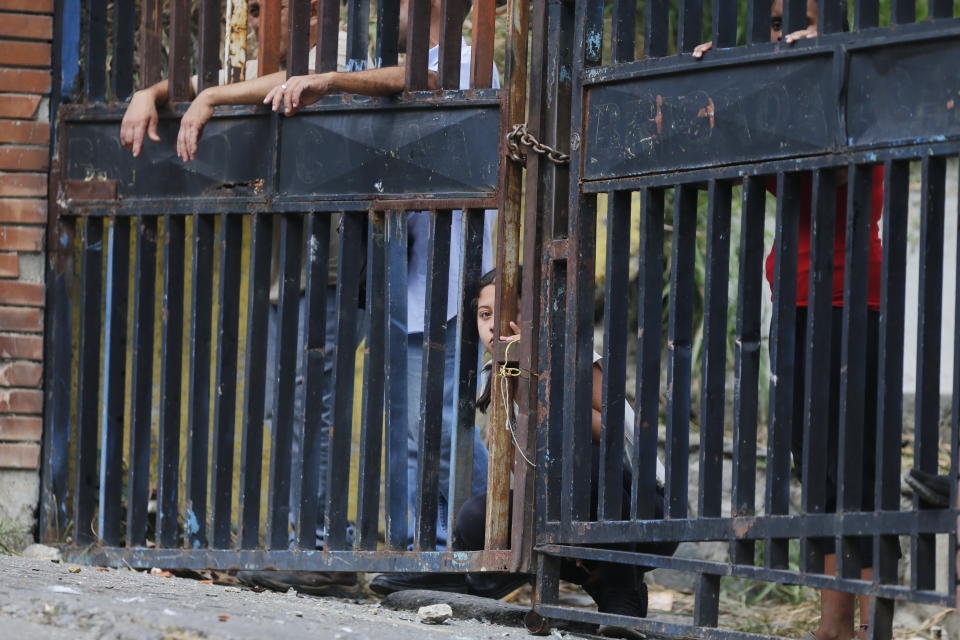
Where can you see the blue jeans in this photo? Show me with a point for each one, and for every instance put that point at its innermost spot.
(326, 415)
(414, 384)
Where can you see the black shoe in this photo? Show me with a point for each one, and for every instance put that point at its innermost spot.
(621, 601)
(387, 583)
(313, 583)
(495, 584)
(933, 490)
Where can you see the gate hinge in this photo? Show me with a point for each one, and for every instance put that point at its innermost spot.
(519, 135)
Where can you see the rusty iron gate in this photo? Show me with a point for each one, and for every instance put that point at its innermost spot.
(700, 152)
(162, 330)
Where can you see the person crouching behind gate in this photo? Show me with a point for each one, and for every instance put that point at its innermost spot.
(617, 589)
(837, 608)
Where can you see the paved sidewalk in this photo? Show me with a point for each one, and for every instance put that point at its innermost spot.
(43, 599)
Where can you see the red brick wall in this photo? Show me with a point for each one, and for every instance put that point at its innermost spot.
(26, 31)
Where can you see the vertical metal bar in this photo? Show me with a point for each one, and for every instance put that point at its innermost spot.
(853, 361)
(795, 15)
(268, 55)
(358, 34)
(558, 508)
(298, 43)
(138, 461)
(121, 64)
(388, 33)
(114, 379)
(396, 380)
(225, 398)
(953, 569)
(679, 349)
(816, 399)
(451, 28)
(832, 16)
(758, 20)
(315, 431)
(88, 381)
(171, 359)
(328, 36)
(180, 45)
(418, 43)
(285, 380)
(624, 30)
(690, 25)
(468, 341)
(431, 398)
(941, 9)
(886, 549)
(348, 292)
(724, 23)
(713, 387)
(150, 42)
(198, 412)
(593, 32)
(649, 345)
(235, 46)
(866, 14)
(208, 54)
(95, 72)
(706, 608)
(481, 63)
(747, 361)
(576, 486)
(58, 376)
(656, 39)
(782, 358)
(904, 11)
(257, 369)
(371, 429)
(926, 435)
(616, 283)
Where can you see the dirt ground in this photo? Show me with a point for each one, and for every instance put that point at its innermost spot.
(43, 599)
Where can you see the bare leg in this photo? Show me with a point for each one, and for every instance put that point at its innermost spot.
(863, 630)
(836, 608)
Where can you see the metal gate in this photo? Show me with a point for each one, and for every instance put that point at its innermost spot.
(162, 331)
(700, 151)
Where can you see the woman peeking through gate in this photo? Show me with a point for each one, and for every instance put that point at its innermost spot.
(616, 588)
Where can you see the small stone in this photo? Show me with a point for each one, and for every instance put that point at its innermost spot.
(232, 589)
(41, 552)
(74, 569)
(434, 614)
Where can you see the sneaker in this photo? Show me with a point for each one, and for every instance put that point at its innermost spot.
(495, 584)
(312, 583)
(621, 601)
(387, 583)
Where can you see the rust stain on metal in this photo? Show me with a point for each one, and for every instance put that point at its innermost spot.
(659, 117)
(742, 526)
(235, 48)
(98, 189)
(707, 112)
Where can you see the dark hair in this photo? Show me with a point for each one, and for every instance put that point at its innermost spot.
(487, 279)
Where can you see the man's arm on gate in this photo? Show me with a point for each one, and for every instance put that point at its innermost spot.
(300, 91)
(201, 109)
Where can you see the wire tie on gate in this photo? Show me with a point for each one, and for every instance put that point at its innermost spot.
(510, 372)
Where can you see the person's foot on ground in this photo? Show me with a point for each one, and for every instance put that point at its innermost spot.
(495, 584)
(622, 601)
(312, 583)
(933, 490)
(387, 583)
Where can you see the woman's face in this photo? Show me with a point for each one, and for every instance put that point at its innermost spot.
(485, 325)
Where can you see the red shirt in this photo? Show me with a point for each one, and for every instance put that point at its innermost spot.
(839, 243)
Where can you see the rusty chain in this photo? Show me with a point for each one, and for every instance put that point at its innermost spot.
(519, 135)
